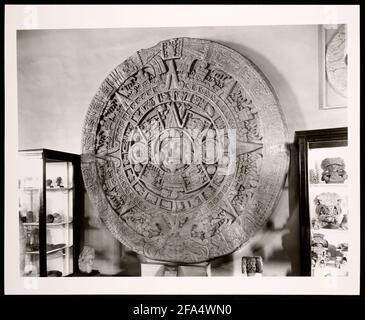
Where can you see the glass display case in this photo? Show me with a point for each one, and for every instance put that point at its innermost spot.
(323, 201)
(50, 204)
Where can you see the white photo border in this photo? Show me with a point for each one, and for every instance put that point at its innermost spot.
(123, 16)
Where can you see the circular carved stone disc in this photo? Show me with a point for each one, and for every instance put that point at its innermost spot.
(336, 62)
(184, 151)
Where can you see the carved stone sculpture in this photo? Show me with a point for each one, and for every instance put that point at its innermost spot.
(32, 237)
(58, 217)
(170, 271)
(49, 183)
(333, 170)
(313, 176)
(341, 255)
(184, 150)
(50, 218)
(29, 216)
(329, 212)
(86, 259)
(251, 266)
(59, 182)
(319, 250)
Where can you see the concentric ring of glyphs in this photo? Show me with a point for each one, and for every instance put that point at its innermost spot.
(184, 151)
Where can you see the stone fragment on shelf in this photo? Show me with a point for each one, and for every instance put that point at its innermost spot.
(86, 259)
(57, 217)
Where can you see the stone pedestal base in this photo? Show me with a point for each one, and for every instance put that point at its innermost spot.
(162, 269)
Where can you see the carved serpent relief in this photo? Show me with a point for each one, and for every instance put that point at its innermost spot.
(184, 150)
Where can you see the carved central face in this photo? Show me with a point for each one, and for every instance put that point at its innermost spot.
(173, 150)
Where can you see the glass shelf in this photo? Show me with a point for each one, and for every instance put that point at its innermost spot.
(50, 224)
(29, 189)
(59, 189)
(51, 251)
(336, 185)
(47, 189)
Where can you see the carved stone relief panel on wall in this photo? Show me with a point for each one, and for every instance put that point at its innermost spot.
(184, 150)
(336, 61)
(333, 66)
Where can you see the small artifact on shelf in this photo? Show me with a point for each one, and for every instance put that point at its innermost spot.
(28, 236)
(23, 218)
(30, 269)
(313, 176)
(30, 216)
(57, 217)
(54, 273)
(341, 255)
(252, 266)
(32, 240)
(328, 212)
(170, 271)
(319, 251)
(59, 182)
(49, 183)
(50, 218)
(333, 170)
(86, 259)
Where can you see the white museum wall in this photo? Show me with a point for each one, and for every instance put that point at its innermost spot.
(59, 71)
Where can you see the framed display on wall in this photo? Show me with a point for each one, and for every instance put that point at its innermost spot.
(50, 206)
(333, 61)
(323, 201)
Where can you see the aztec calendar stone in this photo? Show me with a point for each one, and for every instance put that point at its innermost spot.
(184, 151)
